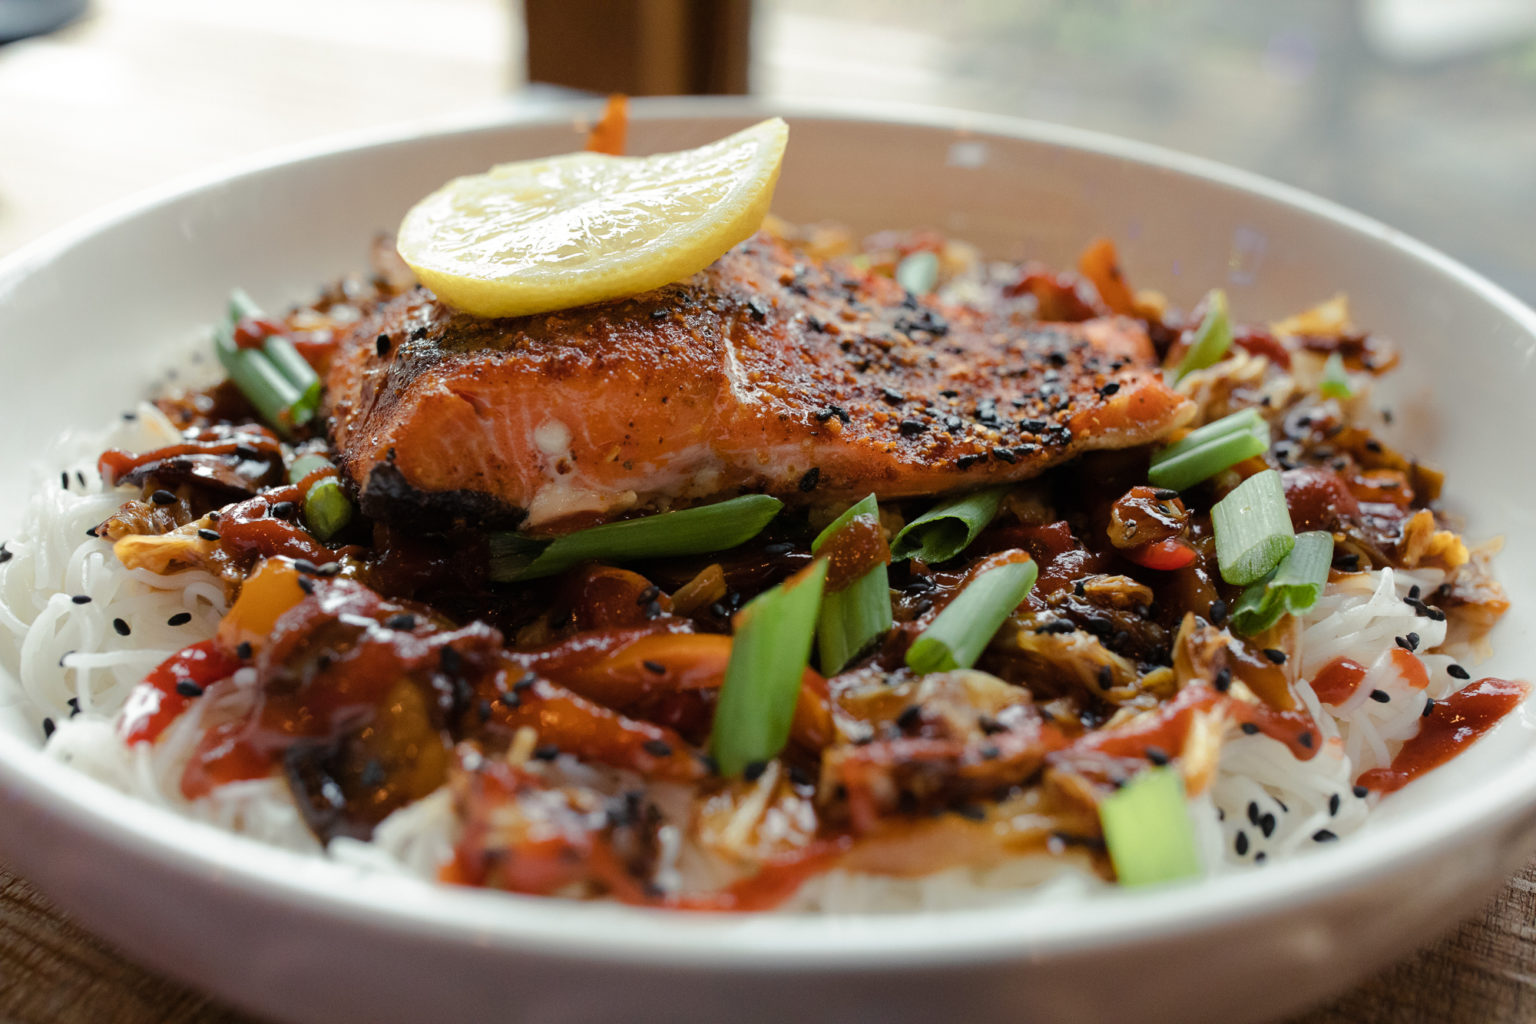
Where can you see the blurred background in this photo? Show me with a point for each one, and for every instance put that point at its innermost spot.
(1419, 112)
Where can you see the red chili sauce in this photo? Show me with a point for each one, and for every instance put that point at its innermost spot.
(1450, 727)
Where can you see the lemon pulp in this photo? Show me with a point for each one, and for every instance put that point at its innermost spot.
(563, 231)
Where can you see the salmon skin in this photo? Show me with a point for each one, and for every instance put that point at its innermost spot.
(767, 372)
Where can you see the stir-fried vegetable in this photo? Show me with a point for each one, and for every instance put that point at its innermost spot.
(1292, 588)
(762, 679)
(855, 616)
(1147, 829)
(1253, 529)
(1206, 451)
(1212, 339)
(690, 531)
(283, 387)
(946, 530)
(958, 635)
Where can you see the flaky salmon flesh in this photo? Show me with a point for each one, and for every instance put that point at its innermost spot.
(768, 372)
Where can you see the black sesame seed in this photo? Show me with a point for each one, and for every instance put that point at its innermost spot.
(657, 748)
(990, 752)
(1156, 755)
(187, 688)
(754, 770)
(989, 725)
(162, 497)
(306, 567)
(1218, 612)
(525, 682)
(451, 660)
(74, 706)
(546, 752)
(48, 728)
(282, 509)
(246, 452)
(1306, 739)
(1413, 592)
(243, 651)
(64, 479)
(811, 478)
(1223, 683)
(1253, 812)
(1267, 825)
(1407, 643)
(1165, 494)
(910, 716)
(648, 595)
(1457, 672)
(1429, 707)
(381, 344)
(5, 554)
(1249, 729)
(775, 550)
(1110, 388)
(655, 666)
(1241, 843)
(1322, 835)
(179, 619)
(1413, 639)
(1106, 678)
(372, 774)
(1361, 792)
(658, 314)
(1381, 696)
(306, 584)
(403, 620)
(967, 461)
(911, 428)
(759, 308)
(1349, 561)
(81, 599)
(207, 534)
(971, 812)
(712, 767)
(1005, 455)
(1333, 804)
(892, 396)
(121, 625)
(834, 410)
(1275, 655)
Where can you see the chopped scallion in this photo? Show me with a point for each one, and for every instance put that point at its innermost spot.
(762, 678)
(856, 616)
(327, 509)
(1292, 588)
(1204, 452)
(304, 465)
(919, 272)
(944, 531)
(280, 357)
(958, 635)
(1147, 829)
(1211, 341)
(1253, 528)
(690, 531)
(257, 378)
(1335, 382)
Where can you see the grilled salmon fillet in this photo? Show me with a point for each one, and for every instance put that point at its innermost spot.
(767, 372)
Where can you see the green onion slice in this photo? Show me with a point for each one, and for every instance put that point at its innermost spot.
(1253, 529)
(1211, 341)
(690, 531)
(1147, 829)
(1335, 382)
(284, 359)
(944, 531)
(762, 678)
(1204, 452)
(919, 272)
(1291, 589)
(304, 465)
(856, 616)
(327, 509)
(958, 635)
(258, 380)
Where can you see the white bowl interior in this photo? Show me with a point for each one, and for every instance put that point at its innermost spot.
(86, 317)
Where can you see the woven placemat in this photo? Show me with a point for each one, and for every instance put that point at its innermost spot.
(54, 972)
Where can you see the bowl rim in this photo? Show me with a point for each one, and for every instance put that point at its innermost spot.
(304, 884)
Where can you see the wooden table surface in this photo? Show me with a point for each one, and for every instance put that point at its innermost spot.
(143, 90)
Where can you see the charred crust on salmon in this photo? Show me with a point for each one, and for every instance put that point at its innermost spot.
(731, 381)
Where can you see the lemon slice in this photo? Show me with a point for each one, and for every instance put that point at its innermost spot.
(564, 231)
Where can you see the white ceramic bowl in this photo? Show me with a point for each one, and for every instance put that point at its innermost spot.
(84, 316)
